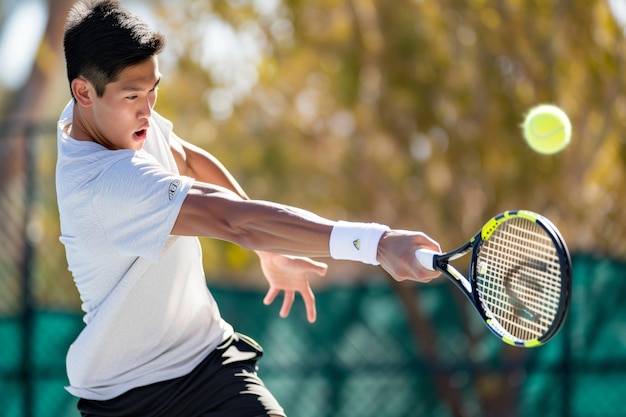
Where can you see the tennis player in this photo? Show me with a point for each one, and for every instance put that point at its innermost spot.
(133, 198)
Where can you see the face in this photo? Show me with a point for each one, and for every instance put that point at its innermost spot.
(120, 118)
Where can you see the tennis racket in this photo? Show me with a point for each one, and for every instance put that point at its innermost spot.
(519, 276)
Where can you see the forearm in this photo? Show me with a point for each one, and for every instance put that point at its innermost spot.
(216, 212)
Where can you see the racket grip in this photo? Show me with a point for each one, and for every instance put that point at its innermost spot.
(426, 258)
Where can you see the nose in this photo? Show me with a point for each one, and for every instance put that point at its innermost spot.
(145, 111)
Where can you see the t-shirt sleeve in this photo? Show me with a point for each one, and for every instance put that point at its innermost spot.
(137, 202)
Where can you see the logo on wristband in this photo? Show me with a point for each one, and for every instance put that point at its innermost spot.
(357, 244)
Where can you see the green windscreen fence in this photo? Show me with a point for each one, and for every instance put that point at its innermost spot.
(361, 359)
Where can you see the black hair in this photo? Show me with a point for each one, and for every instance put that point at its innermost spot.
(102, 38)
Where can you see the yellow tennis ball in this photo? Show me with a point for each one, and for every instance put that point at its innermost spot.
(547, 129)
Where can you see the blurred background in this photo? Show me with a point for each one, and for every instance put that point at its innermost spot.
(404, 112)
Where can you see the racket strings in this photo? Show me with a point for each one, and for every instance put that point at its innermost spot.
(519, 278)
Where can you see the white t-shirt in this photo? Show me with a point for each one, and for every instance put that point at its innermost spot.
(148, 312)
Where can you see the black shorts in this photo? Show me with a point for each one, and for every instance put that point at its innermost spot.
(225, 384)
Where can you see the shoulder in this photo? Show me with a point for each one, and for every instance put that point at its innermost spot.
(137, 180)
(126, 162)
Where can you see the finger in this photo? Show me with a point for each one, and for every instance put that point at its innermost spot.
(270, 296)
(309, 304)
(287, 303)
(427, 276)
(317, 267)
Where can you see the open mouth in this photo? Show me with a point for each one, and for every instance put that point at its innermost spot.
(140, 134)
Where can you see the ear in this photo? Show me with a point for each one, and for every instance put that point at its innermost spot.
(83, 91)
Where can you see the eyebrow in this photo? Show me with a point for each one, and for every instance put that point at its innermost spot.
(133, 88)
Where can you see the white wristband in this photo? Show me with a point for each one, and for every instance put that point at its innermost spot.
(352, 241)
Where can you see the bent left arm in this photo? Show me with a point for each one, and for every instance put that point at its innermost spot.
(286, 274)
(195, 162)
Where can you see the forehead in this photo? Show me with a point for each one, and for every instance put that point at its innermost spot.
(144, 75)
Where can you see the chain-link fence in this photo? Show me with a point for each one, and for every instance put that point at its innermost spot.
(33, 271)
(359, 359)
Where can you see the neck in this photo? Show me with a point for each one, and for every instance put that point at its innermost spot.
(83, 129)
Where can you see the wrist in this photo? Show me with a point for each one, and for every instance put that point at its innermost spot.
(352, 241)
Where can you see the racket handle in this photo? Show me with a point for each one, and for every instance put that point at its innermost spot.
(426, 258)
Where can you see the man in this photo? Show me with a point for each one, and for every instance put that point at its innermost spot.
(133, 198)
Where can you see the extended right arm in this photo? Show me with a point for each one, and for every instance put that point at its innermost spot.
(216, 212)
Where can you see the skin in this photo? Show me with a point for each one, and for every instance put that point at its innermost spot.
(283, 237)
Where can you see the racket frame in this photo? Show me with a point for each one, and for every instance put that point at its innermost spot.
(441, 263)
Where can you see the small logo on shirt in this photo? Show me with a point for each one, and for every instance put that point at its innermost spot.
(173, 187)
(357, 244)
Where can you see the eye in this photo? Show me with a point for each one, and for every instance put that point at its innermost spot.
(131, 97)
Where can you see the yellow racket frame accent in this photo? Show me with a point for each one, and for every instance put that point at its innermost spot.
(492, 224)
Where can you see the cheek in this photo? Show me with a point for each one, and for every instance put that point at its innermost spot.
(121, 116)
(116, 121)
